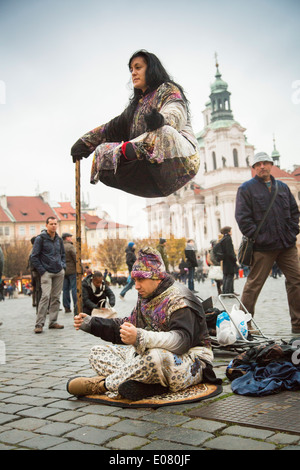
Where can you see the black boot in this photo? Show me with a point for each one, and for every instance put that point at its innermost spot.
(134, 390)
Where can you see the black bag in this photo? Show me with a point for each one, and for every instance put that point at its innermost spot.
(218, 251)
(245, 251)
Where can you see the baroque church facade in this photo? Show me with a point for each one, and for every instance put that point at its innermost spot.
(202, 207)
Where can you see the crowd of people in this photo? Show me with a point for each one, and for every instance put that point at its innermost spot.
(150, 150)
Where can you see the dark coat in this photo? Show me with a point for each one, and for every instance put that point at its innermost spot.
(48, 254)
(281, 226)
(190, 256)
(130, 257)
(90, 300)
(70, 258)
(229, 260)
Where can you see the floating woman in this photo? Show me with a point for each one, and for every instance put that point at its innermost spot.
(150, 149)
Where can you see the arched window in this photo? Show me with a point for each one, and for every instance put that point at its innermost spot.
(235, 158)
(214, 161)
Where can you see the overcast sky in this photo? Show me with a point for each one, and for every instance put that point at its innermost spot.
(63, 71)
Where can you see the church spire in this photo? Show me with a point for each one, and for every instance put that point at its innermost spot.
(220, 97)
(275, 154)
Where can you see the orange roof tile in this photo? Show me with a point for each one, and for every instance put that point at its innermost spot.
(65, 211)
(3, 216)
(91, 221)
(29, 208)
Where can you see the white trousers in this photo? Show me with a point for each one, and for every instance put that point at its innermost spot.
(121, 363)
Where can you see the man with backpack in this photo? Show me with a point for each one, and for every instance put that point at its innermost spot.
(48, 258)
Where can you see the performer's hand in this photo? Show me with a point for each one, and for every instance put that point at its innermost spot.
(78, 320)
(128, 333)
(80, 150)
(154, 120)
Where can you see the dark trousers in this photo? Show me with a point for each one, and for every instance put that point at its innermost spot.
(191, 278)
(228, 283)
(70, 285)
(288, 262)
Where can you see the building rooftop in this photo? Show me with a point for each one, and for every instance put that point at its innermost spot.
(25, 209)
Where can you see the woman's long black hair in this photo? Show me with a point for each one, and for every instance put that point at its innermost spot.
(156, 74)
(119, 128)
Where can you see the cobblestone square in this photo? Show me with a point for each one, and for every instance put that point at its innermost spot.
(36, 412)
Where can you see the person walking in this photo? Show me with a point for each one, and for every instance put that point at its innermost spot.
(48, 257)
(150, 150)
(191, 260)
(276, 240)
(130, 260)
(70, 274)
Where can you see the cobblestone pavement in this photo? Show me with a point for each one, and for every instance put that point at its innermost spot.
(36, 412)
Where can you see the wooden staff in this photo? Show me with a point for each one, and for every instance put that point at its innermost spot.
(78, 237)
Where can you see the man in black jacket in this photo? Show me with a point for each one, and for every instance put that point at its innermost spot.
(48, 258)
(168, 345)
(95, 293)
(276, 240)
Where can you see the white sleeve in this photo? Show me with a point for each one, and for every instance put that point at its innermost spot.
(171, 340)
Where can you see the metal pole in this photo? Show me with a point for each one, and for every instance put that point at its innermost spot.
(78, 237)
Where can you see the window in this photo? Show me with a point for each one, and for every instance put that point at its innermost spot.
(32, 229)
(235, 158)
(6, 231)
(214, 161)
(22, 231)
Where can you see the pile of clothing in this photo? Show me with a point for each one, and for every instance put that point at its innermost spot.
(266, 369)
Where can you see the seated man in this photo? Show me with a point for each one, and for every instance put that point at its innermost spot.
(95, 293)
(168, 343)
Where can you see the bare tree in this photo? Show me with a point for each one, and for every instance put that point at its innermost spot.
(16, 257)
(111, 254)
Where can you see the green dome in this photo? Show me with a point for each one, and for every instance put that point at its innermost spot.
(275, 153)
(219, 85)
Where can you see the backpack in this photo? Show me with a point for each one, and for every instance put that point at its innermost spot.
(218, 251)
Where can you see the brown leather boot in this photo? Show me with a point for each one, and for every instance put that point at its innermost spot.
(81, 386)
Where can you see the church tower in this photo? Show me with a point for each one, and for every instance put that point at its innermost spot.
(222, 142)
(275, 154)
(225, 156)
(220, 99)
(202, 207)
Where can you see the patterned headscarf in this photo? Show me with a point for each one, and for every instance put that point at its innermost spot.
(149, 265)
